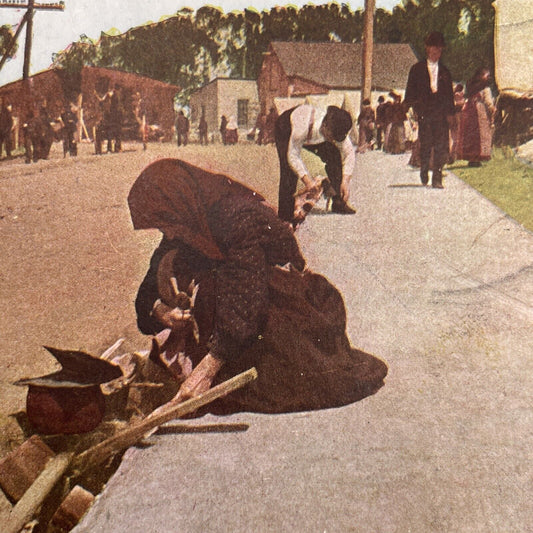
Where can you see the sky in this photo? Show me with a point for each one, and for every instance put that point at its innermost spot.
(53, 31)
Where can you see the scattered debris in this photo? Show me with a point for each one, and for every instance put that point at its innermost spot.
(87, 415)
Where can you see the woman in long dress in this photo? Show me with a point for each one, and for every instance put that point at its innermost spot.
(255, 302)
(366, 122)
(395, 143)
(477, 120)
(455, 123)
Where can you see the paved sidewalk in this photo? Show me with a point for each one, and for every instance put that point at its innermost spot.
(438, 283)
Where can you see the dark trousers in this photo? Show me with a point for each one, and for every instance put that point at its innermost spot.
(5, 141)
(114, 134)
(288, 180)
(69, 144)
(183, 138)
(380, 135)
(433, 134)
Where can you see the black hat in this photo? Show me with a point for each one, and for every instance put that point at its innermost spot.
(435, 38)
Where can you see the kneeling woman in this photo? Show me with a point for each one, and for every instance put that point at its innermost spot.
(255, 304)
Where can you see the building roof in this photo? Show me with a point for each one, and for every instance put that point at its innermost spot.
(114, 74)
(129, 78)
(222, 80)
(339, 65)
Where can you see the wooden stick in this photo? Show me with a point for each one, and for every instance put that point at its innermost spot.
(107, 355)
(129, 436)
(34, 497)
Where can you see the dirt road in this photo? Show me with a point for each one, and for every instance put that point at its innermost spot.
(71, 262)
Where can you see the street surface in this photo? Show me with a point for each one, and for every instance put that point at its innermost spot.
(438, 283)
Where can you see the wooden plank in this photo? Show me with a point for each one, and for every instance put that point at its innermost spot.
(33, 498)
(20, 468)
(100, 452)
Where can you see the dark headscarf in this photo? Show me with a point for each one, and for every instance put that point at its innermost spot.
(477, 83)
(174, 197)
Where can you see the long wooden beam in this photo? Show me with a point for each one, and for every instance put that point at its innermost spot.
(57, 466)
(133, 434)
(45, 7)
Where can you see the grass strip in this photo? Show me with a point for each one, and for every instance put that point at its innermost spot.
(505, 181)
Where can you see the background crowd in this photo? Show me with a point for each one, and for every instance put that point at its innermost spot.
(393, 125)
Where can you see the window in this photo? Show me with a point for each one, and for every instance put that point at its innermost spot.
(242, 113)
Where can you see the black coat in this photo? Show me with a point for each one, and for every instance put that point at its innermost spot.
(6, 121)
(418, 93)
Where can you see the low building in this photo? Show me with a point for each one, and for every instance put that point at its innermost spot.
(157, 97)
(329, 73)
(235, 98)
(57, 88)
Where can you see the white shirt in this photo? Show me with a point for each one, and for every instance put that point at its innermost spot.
(303, 118)
(433, 69)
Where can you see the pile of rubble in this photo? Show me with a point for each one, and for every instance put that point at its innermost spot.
(80, 420)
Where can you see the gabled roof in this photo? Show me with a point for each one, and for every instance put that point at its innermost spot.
(339, 65)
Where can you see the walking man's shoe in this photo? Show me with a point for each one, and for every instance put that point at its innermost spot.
(436, 179)
(424, 178)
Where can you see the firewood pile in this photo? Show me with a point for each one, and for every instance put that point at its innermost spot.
(79, 422)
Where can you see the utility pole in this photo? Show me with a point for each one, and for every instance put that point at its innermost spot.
(368, 49)
(29, 38)
(31, 7)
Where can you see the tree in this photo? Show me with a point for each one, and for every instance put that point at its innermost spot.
(77, 55)
(190, 48)
(467, 25)
(6, 39)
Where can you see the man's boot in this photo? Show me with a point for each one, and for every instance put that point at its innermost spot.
(340, 207)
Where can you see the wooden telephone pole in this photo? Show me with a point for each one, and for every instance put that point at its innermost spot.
(368, 49)
(27, 19)
(29, 38)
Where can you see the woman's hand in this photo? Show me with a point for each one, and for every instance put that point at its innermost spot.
(171, 317)
(200, 378)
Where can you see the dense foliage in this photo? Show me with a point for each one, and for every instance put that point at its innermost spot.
(193, 47)
(6, 38)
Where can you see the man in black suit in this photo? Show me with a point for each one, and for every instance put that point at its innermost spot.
(430, 93)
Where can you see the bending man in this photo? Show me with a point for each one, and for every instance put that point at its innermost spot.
(325, 134)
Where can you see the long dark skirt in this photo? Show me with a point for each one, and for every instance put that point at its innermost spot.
(304, 359)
